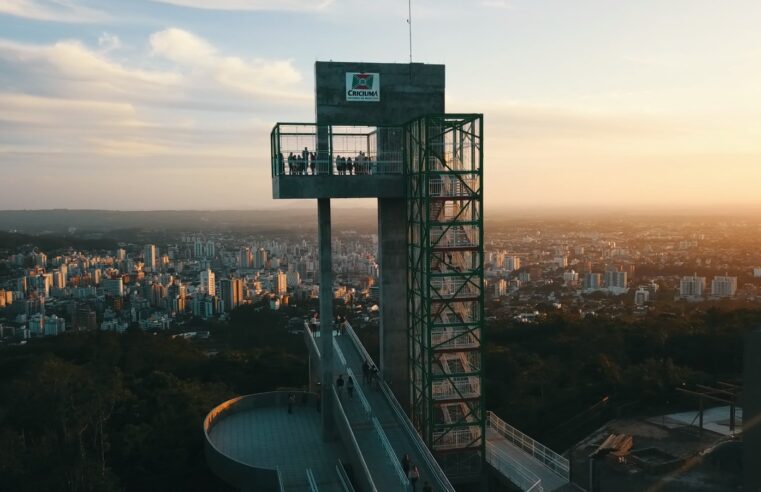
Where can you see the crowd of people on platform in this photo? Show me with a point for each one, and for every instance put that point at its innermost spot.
(308, 163)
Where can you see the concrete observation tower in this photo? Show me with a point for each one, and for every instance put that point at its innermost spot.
(380, 132)
(425, 169)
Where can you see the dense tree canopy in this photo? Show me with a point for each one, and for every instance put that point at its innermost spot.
(553, 380)
(101, 411)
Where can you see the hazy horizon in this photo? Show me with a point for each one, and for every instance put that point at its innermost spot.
(168, 104)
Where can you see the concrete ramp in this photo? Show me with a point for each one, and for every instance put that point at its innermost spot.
(527, 463)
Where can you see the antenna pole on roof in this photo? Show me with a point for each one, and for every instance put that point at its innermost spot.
(409, 21)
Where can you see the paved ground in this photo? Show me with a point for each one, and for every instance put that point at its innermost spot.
(271, 438)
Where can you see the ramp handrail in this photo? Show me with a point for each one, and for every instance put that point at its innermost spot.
(439, 477)
(311, 481)
(360, 393)
(341, 414)
(522, 477)
(390, 454)
(552, 460)
(280, 479)
(311, 342)
(338, 352)
(344, 478)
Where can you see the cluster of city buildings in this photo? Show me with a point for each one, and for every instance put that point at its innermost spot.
(158, 287)
(612, 267)
(587, 269)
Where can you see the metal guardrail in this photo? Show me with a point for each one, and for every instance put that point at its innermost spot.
(311, 342)
(341, 414)
(280, 479)
(305, 149)
(455, 438)
(311, 481)
(439, 478)
(522, 477)
(343, 478)
(468, 387)
(390, 454)
(339, 352)
(360, 393)
(552, 460)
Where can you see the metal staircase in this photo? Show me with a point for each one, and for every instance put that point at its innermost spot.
(445, 287)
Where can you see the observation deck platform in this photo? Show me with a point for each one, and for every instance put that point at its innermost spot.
(327, 161)
(338, 186)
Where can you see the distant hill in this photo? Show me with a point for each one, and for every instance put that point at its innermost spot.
(61, 221)
(48, 242)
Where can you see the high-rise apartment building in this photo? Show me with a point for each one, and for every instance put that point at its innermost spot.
(593, 281)
(512, 263)
(245, 259)
(615, 282)
(293, 279)
(208, 282)
(641, 296)
(724, 286)
(281, 283)
(198, 249)
(232, 292)
(571, 278)
(693, 286)
(149, 258)
(260, 259)
(113, 286)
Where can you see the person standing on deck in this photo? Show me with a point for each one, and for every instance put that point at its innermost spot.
(406, 463)
(414, 476)
(340, 384)
(350, 387)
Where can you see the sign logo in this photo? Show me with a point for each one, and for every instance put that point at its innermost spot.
(362, 86)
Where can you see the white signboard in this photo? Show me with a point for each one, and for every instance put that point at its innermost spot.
(362, 86)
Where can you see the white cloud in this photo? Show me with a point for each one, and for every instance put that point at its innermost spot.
(109, 42)
(184, 72)
(70, 68)
(498, 4)
(270, 78)
(293, 5)
(51, 10)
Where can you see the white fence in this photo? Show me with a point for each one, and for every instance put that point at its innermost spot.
(522, 477)
(457, 387)
(552, 460)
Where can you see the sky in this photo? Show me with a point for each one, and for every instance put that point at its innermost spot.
(168, 104)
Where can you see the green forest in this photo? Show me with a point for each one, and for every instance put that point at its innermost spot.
(101, 411)
(561, 379)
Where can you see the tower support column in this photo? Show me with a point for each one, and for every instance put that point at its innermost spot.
(326, 315)
(392, 253)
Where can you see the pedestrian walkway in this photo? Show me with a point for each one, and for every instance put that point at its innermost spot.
(384, 417)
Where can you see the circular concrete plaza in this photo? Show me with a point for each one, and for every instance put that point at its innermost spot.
(251, 438)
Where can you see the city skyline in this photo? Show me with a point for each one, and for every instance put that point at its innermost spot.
(153, 104)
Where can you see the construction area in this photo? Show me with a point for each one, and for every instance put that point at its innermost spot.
(664, 453)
